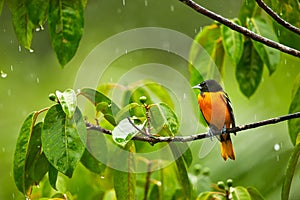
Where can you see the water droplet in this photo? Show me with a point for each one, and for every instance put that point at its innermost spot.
(146, 3)
(126, 51)
(3, 74)
(37, 80)
(276, 147)
(31, 50)
(172, 8)
(195, 30)
(11, 68)
(38, 186)
(13, 195)
(284, 61)
(4, 30)
(278, 32)
(20, 48)
(102, 177)
(124, 2)
(184, 96)
(37, 29)
(3, 149)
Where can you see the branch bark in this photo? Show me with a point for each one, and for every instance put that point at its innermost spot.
(241, 29)
(153, 140)
(277, 18)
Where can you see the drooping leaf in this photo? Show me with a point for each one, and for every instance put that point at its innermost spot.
(240, 193)
(22, 24)
(254, 193)
(182, 175)
(233, 42)
(68, 101)
(63, 139)
(249, 70)
(22, 151)
(125, 181)
(125, 131)
(207, 54)
(66, 22)
(111, 109)
(37, 11)
(294, 124)
(163, 118)
(249, 9)
(289, 173)
(270, 56)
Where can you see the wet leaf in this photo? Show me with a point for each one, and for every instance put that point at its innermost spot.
(249, 70)
(268, 55)
(37, 11)
(63, 139)
(125, 131)
(163, 118)
(294, 124)
(240, 193)
(233, 42)
(22, 151)
(22, 24)
(68, 101)
(66, 22)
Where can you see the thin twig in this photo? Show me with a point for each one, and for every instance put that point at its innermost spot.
(241, 29)
(277, 18)
(152, 140)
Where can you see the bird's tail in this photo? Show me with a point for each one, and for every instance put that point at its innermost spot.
(227, 148)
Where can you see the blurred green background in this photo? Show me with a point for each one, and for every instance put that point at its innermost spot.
(30, 77)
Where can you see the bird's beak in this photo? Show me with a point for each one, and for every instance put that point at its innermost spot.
(197, 87)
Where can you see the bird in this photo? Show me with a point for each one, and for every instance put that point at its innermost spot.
(217, 111)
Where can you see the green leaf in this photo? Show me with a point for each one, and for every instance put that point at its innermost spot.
(289, 173)
(1, 6)
(207, 60)
(163, 118)
(105, 104)
(240, 193)
(207, 196)
(66, 22)
(53, 172)
(127, 110)
(233, 42)
(125, 131)
(249, 70)
(22, 24)
(270, 56)
(294, 124)
(91, 163)
(22, 151)
(155, 193)
(125, 181)
(249, 9)
(63, 139)
(255, 194)
(68, 101)
(182, 175)
(37, 11)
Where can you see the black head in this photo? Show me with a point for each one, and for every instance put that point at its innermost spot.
(209, 86)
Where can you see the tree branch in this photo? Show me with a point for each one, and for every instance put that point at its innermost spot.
(277, 18)
(241, 29)
(153, 140)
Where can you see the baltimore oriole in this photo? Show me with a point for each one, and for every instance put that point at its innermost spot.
(217, 111)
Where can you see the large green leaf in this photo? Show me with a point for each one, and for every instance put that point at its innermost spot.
(163, 118)
(289, 173)
(240, 193)
(66, 22)
(63, 139)
(294, 124)
(249, 70)
(125, 181)
(125, 131)
(270, 56)
(22, 152)
(182, 175)
(37, 11)
(103, 104)
(233, 42)
(207, 54)
(68, 101)
(22, 24)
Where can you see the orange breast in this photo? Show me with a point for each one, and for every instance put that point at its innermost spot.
(214, 109)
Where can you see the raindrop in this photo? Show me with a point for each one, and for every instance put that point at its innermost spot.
(102, 177)
(3, 149)
(42, 27)
(126, 51)
(278, 32)
(195, 30)
(37, 80)
(37, 29)
(276, 147)
(124, 2)
(13, 195)
(3, 74)
(172, 8)
(31, 50)
(184, 96)
(20, 48)
(146, 3)
(284, 61)
(38, 186)
(11, 68)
